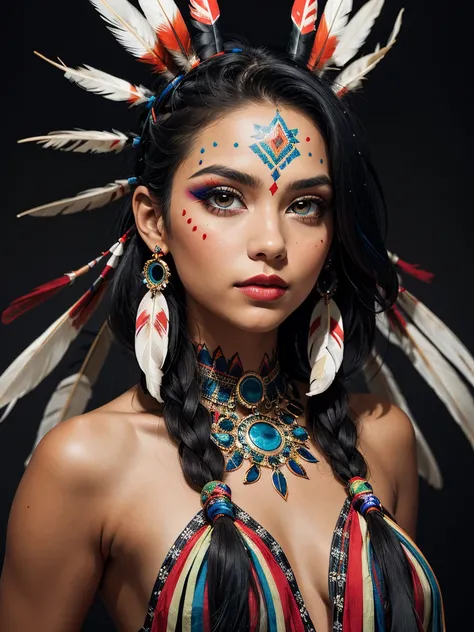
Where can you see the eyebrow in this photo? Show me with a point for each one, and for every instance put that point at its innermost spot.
(251, 181)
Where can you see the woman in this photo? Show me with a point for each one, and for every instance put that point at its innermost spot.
(254, 211)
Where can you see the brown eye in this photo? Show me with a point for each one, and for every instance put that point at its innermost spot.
(303, 205)
(223, 199)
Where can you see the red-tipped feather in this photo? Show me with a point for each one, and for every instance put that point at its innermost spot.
(37, 296)
(304, 14)
(207, 11)
(331, 26)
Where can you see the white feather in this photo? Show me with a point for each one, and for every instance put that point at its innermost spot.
(325, 346)
(382, 383)
(440, 335)
(151, 340)
(356, 32)
(128, 25)
(81, 141)
(38, 360)
(336, 13)
(102, 83)
(74, 392)
(351, 77)
(106, 85)
(436, 371)
(53, 413)
(161, 14)
(84, 201)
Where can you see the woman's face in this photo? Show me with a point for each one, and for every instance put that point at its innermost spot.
(252, 198)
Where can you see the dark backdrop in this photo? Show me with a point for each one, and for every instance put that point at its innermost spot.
(417, 110)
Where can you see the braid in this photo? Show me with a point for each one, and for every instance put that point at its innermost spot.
(189, 423)
(336, 434)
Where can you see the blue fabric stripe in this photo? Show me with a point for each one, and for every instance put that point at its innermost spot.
(197, 609)
(271, 616)
(377, 580)
(436, 623)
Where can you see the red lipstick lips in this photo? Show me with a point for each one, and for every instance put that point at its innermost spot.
(263, 287)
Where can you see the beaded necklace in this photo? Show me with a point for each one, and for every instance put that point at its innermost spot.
(268, 435)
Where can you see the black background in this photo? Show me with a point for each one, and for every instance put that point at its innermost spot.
(417, 111)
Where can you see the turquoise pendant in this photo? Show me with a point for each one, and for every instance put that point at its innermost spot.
(264, 441)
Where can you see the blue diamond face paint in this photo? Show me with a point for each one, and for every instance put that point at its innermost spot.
(276, 146)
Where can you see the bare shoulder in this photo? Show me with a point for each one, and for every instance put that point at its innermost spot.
(381, 423)
(387, 441)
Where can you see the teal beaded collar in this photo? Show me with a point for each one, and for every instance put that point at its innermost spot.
(272, 438)
(224, 382)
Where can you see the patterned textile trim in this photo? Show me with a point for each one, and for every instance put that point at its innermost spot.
(337, 564)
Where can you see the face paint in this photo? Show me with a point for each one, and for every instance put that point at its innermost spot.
(184, 212)
(321, 161)
(276, 146)
(214, 144)
(194, 229)
(202, 150)
(190, 220)
(236, 144)
(310, 154)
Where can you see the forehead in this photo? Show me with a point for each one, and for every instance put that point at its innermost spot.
(271, 143)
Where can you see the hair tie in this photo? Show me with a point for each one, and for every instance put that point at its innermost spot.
(216, 500)
(362, 497)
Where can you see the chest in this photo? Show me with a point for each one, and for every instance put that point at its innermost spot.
(156, 504)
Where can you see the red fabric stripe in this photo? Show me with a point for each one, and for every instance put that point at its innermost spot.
(418, 594)
(164, 600)
(314, 325)
(293, 622)
(207, 625)
(254, 609)
(353, 596)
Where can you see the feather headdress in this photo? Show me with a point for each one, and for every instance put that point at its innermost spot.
(156, 35)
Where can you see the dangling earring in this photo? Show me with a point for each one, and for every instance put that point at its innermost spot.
(326, 335)
(152, 323)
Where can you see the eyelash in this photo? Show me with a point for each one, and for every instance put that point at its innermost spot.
(205, 194)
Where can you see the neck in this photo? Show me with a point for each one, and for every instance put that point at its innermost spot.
(210, 330)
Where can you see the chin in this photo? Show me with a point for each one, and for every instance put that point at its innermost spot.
(262, 320)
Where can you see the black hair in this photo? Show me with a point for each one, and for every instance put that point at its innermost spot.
(367, 284)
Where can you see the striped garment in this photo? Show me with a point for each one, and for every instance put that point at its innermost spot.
(179, 598)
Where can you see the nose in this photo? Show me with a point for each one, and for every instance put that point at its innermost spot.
(266, 240)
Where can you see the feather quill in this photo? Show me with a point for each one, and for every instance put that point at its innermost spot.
(84, 201)
(439, 334)
(171, 30)
(74, 392)
(351, 77)
(432, 366)
(132, 30)
(102, 83)
(330, 29)
(381, 382)
(206, 14)
(304, 14)
(82, 141)
(151, 340)
(356, 32)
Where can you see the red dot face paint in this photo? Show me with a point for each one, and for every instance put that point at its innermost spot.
(190, 220)
(194, 229)
(204, 237)
(184, 212)
(308, 139)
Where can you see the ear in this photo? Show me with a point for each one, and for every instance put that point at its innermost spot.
(149, 219)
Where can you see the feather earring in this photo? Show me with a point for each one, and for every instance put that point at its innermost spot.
(326, 336)
(152, 324)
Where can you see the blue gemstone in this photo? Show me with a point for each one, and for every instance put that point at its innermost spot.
(252, 475)
(234, 462)
(274, 460)
(251, 389)
(156, 272)
(300, 433)
(226, 424)
(286, 451)
(265, 436)
(306, 455)
(223, 439)
(287, 419)
(297, 469)
(279, 483)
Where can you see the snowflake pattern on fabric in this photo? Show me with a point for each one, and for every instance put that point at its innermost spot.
(337, 565)
(276, 146)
